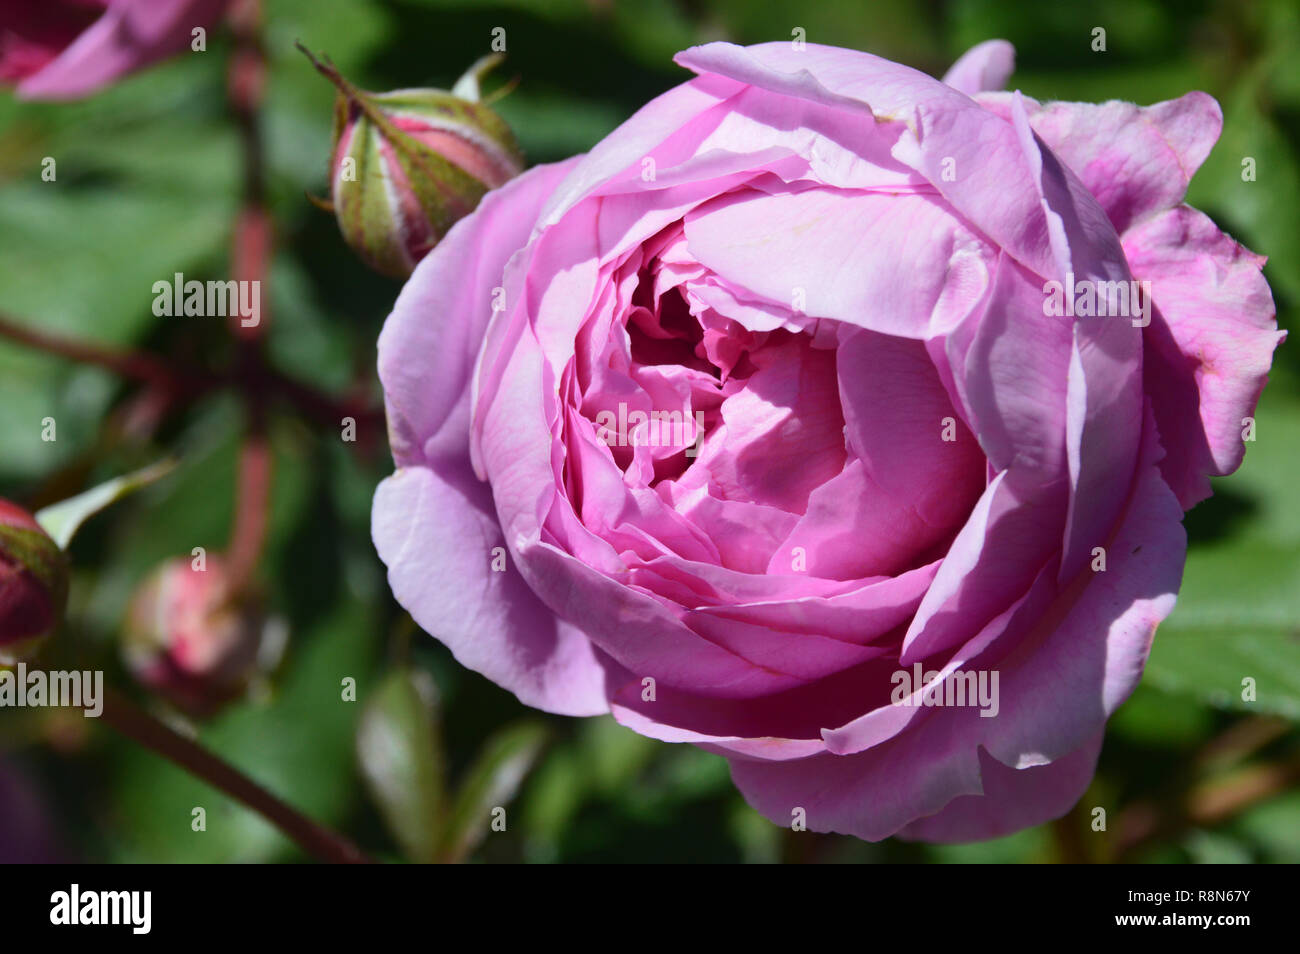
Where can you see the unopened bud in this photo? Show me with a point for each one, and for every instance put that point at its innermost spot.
(33, 583)
(409, 164)
(189, 639)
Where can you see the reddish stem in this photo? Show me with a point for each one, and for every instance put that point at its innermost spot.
(137, 365)
(189, 382)
(252, 509)
(315, 839)
(250, 261)
(250, 257)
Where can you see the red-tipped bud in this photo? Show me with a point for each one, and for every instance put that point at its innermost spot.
(189, 639)
(33, 583)
(409, 164)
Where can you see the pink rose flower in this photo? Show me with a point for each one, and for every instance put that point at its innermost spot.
(189, 638)
(67, 49)
(881, 451)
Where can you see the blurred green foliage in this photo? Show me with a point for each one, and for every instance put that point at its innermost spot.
(147, 185)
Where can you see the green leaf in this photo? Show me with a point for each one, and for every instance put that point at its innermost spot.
(62, 520)
(1212, 848)
(1213, 663)
(614, 755)
(490, 783)
(1156, 719)
(399, 747)
(1238, 613)
(1031, 844)
(1273, 828)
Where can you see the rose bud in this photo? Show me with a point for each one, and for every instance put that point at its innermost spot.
(189, 638)
(408, 164)
(33, 583)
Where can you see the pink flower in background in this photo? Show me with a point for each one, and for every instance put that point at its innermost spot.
(736, 423)
(67, 49)
(189, 638)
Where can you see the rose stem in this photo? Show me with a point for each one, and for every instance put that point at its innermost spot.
(245, 85)
(137, 365)
(313, 838)
(191, 381)
(253, 495)
(250, 260)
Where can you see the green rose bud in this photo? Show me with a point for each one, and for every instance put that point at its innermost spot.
(409, 164)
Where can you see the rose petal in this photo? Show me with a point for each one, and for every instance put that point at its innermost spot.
(1136, 160)
(131, 35)
(489, 619)
(820, 249)
(429, 343)
(984, 66)
(1012, 799)
(1209, 345)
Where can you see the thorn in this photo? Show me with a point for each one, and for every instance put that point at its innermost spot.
(320, 203)
(329, 71)
(504, 91)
